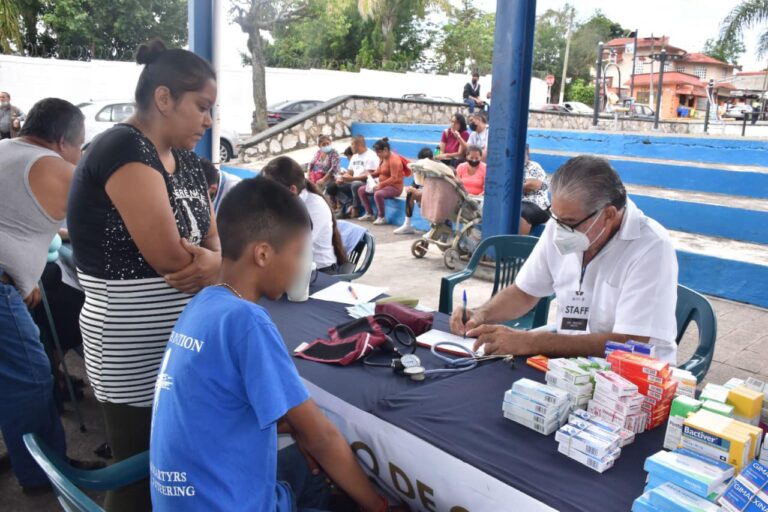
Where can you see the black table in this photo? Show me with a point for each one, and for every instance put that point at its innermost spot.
(443, 443)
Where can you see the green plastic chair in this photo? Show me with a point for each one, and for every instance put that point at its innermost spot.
(694, 307)
(510, 252)
(67, 481)
(360, 259)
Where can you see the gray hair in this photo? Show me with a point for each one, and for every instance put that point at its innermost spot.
(591, 181)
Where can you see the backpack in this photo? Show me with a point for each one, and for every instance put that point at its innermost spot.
(406, 166)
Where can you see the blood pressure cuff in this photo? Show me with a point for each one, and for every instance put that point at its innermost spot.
(343, 351)
(418, 321)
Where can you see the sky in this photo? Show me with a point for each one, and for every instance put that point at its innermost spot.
(688, 23)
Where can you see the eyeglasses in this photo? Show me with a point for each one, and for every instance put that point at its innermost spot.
(570, 227)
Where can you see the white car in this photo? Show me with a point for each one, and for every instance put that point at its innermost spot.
(577, 107)
(101, 115)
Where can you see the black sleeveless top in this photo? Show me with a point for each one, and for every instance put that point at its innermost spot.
(102, 246)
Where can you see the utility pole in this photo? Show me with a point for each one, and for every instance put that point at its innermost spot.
(662, 61)
(650, 76)
(710, 90)
(634, 66)
(598, 71)
(567, 52)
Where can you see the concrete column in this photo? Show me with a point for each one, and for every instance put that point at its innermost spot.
(512, 59)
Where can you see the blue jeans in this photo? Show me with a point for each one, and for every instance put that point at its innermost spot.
(471, 104)
(26, 385)
(305, 492)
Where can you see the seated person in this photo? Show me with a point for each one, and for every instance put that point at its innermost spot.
(219, 182)
(362, 163)
(390, 174)
(453, 141)
(228, 386)
(325, 165)
(413, 194)
(472, 172)
(471, 94)
(328, 251)
(478, 123)
(613, 269)
(535, 201)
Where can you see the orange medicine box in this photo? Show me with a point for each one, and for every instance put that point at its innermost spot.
(626, 363)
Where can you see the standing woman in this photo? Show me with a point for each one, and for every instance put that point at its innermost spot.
(144, 239)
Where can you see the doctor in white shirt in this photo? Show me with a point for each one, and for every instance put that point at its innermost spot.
(612, 269)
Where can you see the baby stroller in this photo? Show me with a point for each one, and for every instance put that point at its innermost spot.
(454, 215)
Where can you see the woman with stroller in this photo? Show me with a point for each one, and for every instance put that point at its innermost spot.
(325, 165)
(390, 174)
(453, 141)
(472, 172)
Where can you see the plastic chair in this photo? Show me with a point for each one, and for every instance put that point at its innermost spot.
(360, 259)
(67, 481)
(694, 307)
(510, 252)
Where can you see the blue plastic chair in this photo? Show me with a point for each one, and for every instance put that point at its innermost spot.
(67, 481)
(509, 252)
(694, 307)
(360, 259)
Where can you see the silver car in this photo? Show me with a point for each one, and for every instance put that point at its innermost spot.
(101, 115)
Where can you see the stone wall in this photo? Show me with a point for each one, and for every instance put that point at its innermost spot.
(558, 121)
(336, 120)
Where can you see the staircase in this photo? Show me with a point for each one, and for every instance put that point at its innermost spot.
(710, 193)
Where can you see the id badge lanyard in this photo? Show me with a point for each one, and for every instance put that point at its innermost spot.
(573, 311)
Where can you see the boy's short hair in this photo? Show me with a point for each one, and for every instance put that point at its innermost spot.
(425, 153)
(210, 171)
(259, 209)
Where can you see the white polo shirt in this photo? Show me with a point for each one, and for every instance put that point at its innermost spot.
(631, 283)
(322, 229)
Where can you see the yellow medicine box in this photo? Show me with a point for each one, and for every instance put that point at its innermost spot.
(716, 436)
(747, 404)
(755, 434)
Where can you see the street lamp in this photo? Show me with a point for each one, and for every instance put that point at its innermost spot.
(596, 108)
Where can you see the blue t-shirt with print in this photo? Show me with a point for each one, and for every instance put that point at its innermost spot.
(225, 381)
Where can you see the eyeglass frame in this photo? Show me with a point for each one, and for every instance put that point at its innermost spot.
(572, 227)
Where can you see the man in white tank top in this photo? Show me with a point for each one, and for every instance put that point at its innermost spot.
(35, 175)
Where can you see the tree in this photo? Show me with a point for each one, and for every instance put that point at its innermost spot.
(549, 42)
(391, 14)
(725, 50)
(581, 91)
(748, 14)
(584, 43)
(10, 28)
(253, 16)
(467, 44)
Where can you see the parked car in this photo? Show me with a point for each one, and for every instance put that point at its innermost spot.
(738, 111)
(101, 115)
(641, 111)
(554, 107)
(576, 107)
(423, 97)
(279, 112)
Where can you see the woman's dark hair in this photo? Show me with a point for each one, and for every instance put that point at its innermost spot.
(382, 144)
(462, 121)
(181, 71)
(288, 172)
(425, 153)
(348, 152)
(53, 119)
(474, 148)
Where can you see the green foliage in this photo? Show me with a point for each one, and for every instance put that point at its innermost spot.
(584, 43)
(579, 90)
(10, 26)
(549, 42)
(747, 14)
(468, 41)
(725, 50)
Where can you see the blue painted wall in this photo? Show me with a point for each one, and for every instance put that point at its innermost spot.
(734, 280)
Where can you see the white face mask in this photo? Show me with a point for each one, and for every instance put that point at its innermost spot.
(569, 242)
(4, 104)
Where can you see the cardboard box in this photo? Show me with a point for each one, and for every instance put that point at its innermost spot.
(747, 404)
(641, 366)
(714, 436)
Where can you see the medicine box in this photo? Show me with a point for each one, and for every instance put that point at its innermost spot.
(733, 382)
(671, 498)
(764, 450)
(613, 383)
(540, 392)
(714, 436)
(691, 473)
(643, 504)
(686, 382)
(599, 465)
(569, 371)
(748, 491)
(681, 407)
(574, 389)
(586, 441)
(714, 392)
(653, 482)
(756, 384)
(718, 407)
(549, 411)
(638, 365)
(747, 404)
(626, 408)
(626, 436)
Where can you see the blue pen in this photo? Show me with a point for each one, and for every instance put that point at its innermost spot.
(464, 318)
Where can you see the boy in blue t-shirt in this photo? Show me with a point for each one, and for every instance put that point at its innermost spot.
(227, 385)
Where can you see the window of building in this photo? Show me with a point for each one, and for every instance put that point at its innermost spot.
(680, 69)
(667, 66)
(700, 71)
(639, 67)
(643, 96)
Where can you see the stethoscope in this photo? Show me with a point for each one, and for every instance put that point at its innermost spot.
(410, 365)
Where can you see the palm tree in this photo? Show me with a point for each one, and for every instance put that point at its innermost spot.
(10, 28)
(748, 14)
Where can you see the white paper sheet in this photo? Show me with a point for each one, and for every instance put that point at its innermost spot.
(429, 338)
(340, 292)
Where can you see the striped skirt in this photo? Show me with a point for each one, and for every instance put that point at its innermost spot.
(126, 325)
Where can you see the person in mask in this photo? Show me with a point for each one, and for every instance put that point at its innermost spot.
(471, 94)
(472, 172)
(535, 201)
(478, 123)
(10, 117)
(612, 268)
(325, 165)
